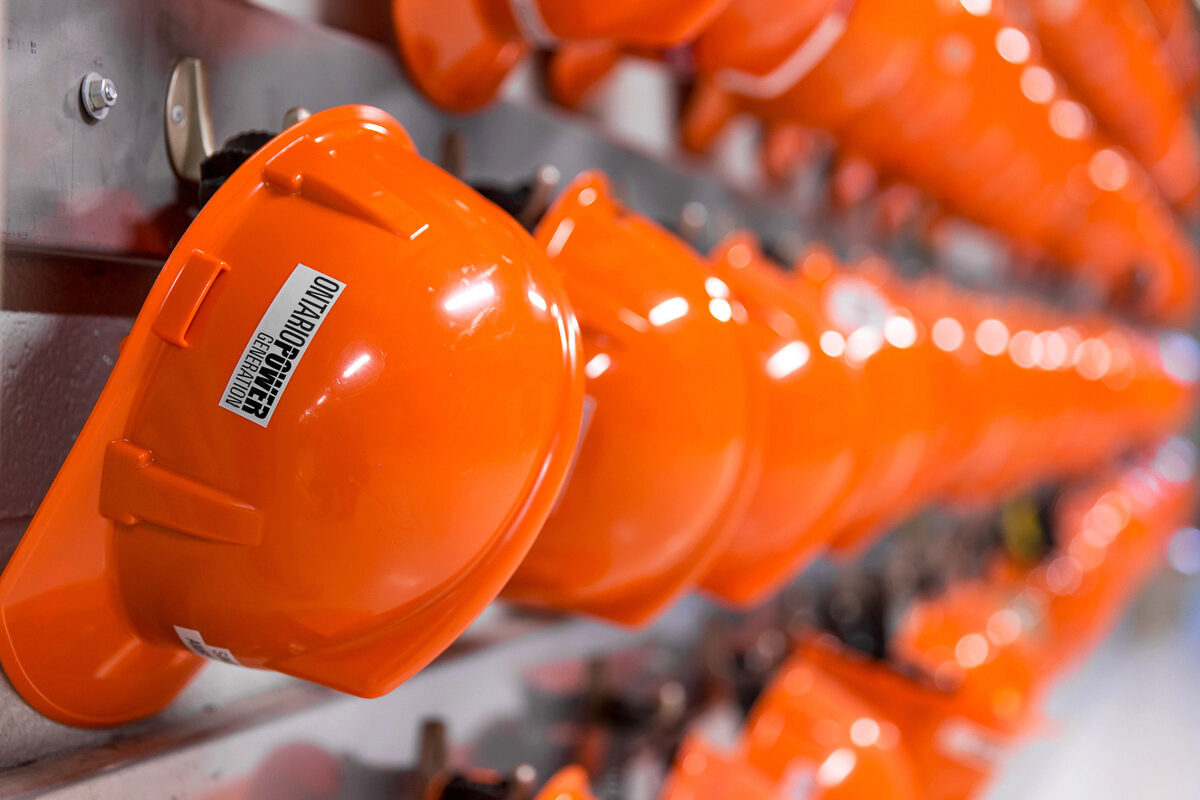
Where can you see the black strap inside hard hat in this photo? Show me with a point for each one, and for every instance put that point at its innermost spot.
(217, 168)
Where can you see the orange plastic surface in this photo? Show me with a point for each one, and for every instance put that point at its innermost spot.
(958, 102)
(459, 52)
(701, 772)
(871, 331)
(813, 738)
(410, 461)
(1113, 532)
(1141, 102)
(948, 757)
(569, 783)
(812, 444)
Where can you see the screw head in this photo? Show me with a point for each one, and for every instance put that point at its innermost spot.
(177, 114)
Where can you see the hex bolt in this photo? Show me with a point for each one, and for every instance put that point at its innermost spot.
(97, 95)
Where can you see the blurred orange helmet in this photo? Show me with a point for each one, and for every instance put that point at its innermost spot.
(569, 783)
(870, 330)
(1142, 104)
(340, 420)
(663, 467)
(978, 650)
(1111, 534)
(813, 738)
(460, 51)
(703, 773)
(949, 756)
(808, 441)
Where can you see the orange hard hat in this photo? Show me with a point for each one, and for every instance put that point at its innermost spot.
(808, 441)
(459, 52)
(814, 738)
(665, 461)
(339, 422)
(949, 756)
(701, 772)
(1141, 104)
(569, 783)
(818, 62)
(942, 312)
(869, 328)
(1176, 23)
(976, 650)
(958, 102)
(1111, 534)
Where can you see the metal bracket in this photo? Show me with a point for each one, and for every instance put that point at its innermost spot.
(187, 119)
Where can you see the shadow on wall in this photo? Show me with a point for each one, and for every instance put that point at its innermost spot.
(52, 368)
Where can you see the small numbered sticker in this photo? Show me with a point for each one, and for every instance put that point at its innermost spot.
(193, 641)
(969, 743)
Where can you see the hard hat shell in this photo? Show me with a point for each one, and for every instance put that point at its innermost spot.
(701, 772)
(1141, 105)
(460, 51)
(948, 756)
(569, 783)
(809, 730)
(1111, 533)
(663, 466)
(809, 441)
(1181, 38)
(339, 421)
(875, 335)
(922, 90)
(982, 657)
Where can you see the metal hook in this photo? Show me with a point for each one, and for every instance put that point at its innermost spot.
(522, 783)
(693, 218)
(431, 754)
(452, 152)
(541, 193)
(188, 119)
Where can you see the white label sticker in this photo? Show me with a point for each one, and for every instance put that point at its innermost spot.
(193, 641)
(968, 743)
(279, 342)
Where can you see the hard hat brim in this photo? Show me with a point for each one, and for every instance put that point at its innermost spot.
(66, 642)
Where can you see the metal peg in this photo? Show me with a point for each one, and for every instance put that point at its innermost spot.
(188, 119)
(545, 183)
(522, 782)
(693, 218)
(295, 114)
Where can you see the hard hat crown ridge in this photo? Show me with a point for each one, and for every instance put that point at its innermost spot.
(339, 422)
